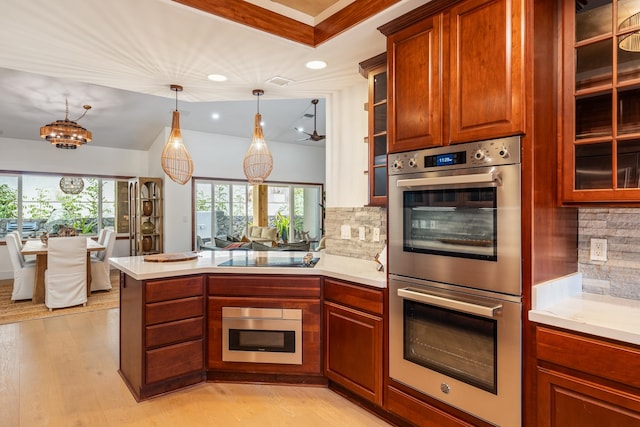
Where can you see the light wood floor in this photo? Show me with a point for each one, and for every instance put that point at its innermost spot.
(62, 371)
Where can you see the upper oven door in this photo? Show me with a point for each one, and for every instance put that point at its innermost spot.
(457, 226)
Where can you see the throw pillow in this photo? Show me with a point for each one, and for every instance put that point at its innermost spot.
(255, 232)
(269, 233)
(221, 243)
(245, 239)
(232, 238)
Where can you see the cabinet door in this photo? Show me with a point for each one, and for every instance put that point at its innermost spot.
(486, 77)
(353, 350)
(414, 104)
(564, 400)
(378, 136)
(601, 103)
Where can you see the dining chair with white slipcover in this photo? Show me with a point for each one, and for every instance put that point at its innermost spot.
(100, 240)
(24, 273)
(100, 274)
(27, 258)
(65, 279)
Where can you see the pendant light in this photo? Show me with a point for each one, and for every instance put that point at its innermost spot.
(175, 159)
(71, 184)
(630, 41)
(67, 134)
(258, 162)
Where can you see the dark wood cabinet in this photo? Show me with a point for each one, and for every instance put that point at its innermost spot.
(415, 58)
(161, 334)
(456, 75)
(353, 338)
(601, 107)
(146, 218)
(375, 71)
(486, 72)
(586, 381)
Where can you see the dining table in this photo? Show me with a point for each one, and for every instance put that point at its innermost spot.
(40, 250)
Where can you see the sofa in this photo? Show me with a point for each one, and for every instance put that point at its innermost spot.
(255, 233)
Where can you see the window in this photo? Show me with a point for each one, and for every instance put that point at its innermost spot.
(35, 203)
(226, 208)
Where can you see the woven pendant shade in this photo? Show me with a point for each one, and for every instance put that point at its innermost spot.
(258, 162)
(175, 159)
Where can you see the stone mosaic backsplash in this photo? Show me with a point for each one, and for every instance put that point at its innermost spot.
(619, 275)
(367, 217)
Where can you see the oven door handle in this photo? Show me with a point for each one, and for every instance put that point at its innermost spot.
(475, 178)
(417, 295)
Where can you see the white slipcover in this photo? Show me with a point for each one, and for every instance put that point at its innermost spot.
(100, 279)
(66, 275)
(24, 273)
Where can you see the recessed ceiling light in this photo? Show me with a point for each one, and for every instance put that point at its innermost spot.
(217, 77)
(316, 65)
(215, 116)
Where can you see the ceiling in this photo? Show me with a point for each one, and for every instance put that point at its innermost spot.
(120, 56)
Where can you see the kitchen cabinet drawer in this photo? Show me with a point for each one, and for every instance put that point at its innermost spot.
(590, 355)
(172, 361)
(173, 332)
(164, 290)
(356, 296)
(269, 285)
(168, 311)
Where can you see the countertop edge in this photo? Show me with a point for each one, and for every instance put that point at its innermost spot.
(562, 303)
(360, 271)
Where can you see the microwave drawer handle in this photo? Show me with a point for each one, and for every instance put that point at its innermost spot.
(455, 179)
(467, 307)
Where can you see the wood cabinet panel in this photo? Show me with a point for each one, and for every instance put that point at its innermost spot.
(168, 311)
(353, 350)
(586, 381)
(269, 285)
(421, 413)
(590, 355)
(486, 80)
(414, 104)
(355, 296)
(172, 361)
(564, 400)
(172, 332)
(169, 289)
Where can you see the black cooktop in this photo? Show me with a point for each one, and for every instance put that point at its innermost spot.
(269, 262)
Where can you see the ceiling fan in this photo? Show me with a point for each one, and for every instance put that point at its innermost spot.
(313, 136)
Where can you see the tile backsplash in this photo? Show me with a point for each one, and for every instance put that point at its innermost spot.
(619, 275)
(367, 217)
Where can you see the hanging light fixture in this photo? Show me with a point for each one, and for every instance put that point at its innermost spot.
(175, 159)
(258, 161)
(630, 41)
(66, 133)
(71, 184)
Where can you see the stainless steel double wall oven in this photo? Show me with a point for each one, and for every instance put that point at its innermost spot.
(455, 276)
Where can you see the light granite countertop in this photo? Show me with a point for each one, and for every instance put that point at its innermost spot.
(335, 266)
(562, 303)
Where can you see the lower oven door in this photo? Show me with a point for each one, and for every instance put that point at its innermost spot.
(460, 347)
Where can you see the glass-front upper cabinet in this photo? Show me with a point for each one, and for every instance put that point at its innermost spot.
(375, 70)
(601, 99)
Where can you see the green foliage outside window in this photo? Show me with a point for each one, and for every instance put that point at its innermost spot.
(8, 202)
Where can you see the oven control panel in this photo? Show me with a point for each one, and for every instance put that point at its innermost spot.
(502, 151)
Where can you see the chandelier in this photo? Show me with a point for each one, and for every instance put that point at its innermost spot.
(71, 184)
(175, 159)
(66, 133)
(630, 41)
(258, 161)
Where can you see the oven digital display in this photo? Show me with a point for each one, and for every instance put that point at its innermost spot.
(458, 158)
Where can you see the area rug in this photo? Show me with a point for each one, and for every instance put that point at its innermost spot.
(11, 312)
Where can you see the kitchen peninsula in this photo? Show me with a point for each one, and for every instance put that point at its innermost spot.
(181, 323)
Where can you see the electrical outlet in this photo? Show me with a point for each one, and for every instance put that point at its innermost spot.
(361, 235)
(376, 235)
(598, 250)
(345, 231)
